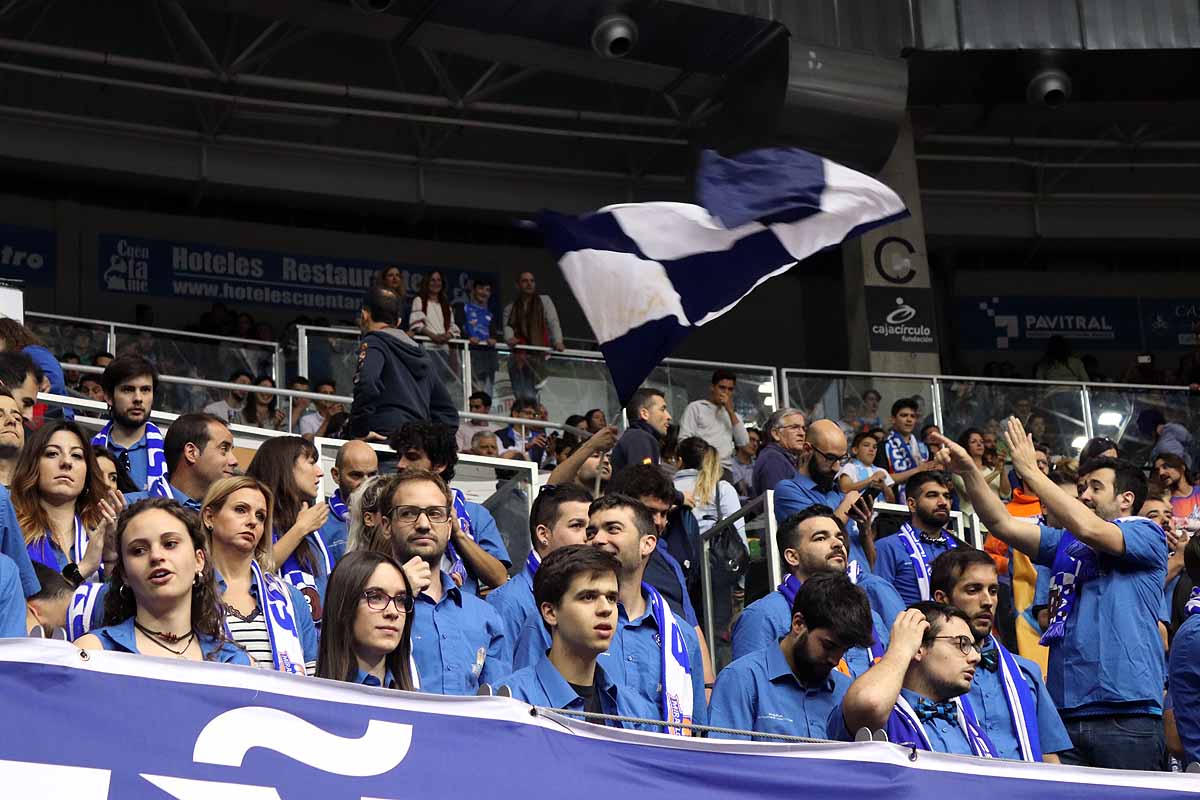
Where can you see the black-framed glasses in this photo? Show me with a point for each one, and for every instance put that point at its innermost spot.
(378, 600)
(844, 458)
(407, 515)
(965, 644)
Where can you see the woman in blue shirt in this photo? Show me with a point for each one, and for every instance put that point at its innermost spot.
(264, 614)
(162, 598)
(290, 468)
(367, 636)
(58, 494)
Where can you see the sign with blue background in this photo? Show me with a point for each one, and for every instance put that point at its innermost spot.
(27, 254)
(128, 727)
(1025, 323)
(243, 276)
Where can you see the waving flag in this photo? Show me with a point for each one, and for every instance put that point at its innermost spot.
(645, 273)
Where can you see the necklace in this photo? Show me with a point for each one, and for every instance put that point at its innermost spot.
(154, 636)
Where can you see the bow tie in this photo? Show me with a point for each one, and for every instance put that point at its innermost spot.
(927, 710)
(989, 656)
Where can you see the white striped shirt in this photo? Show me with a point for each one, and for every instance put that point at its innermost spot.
(252, 635)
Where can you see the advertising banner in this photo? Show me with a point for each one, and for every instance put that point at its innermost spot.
(27, 254)
(1025, 323)
(901, 319)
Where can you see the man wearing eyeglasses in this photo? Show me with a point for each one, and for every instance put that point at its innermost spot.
(457, 639)
(915, 694)
(904, 558)
(1008, 695)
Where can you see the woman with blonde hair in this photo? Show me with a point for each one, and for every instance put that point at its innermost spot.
(701, 475)
(261, 612)
(364, 515)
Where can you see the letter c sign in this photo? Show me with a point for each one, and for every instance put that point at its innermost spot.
(892, 260)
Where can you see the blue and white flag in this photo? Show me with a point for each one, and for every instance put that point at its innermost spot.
(646, 273)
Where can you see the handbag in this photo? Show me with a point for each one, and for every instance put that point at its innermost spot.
(727, 552)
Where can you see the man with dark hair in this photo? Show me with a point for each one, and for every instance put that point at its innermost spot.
(91, 388)
(1184, 667)
(476, 551)
(791, 686)
(12, 435)
(914, 693)
(1172, 472)
(129, 384)
(1106, 669)
(526, 442)
(49, 607)
(531, 319)
(576, 596)
(482, 328)
(101, 359)
(22, 377)
(1008, 696)
(198, 450)
(395, 382)
(316, 422)
(596, 420)
(811, 543)
(477, 403)
(714, 419)
(559, 518)
(356, 462)
(229, 408)
(648, 422)
(904, 455)
(904, 558)
(783, 444)
(654, 655)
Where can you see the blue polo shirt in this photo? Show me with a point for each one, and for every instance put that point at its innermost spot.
(514, 603)
(458, 643)
(1185, 685)
(334, 534)
(768, 619)
(996, 719)
(543, 685)
(139, 459)
(801, 492)
(758, 692)
(305, 627)
(12, 544)
(893, 564)
(944, 736)
(885, 600)
(487, 536)
(121, 638)
(12, 600)
(1111, 659)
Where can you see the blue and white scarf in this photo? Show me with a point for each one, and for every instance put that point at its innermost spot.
(294, 573)
(677, 700)
(911, 540)
(904, 727)
(1020, 704)
(279, 612)
(791, 585)
(532, 562)
(1074, 564)
(42, 550)
(337, 506)
(83, 608)
(900, 454)
(854, 571)
(1193, 603)
(156, 462)
(456, 565)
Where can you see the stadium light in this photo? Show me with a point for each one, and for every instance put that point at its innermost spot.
(1110, 419)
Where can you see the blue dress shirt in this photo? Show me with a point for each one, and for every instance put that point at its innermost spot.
(944, 735)
(543, 685)
(801, 492)
(121, 638)
(458, 642)
(514, 603)
(996, 719)
(487, 536)
(12, 600)
(1185, 685)
(893, 564)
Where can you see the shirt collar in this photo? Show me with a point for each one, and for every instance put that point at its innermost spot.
(183, 499)
(367, 679)
(778, 669)
(138, 445)
(558, 690)
(449, 590)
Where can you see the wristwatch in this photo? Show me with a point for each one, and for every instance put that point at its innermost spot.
(71, 572)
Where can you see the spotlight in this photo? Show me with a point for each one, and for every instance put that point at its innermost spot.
(1050, 87)
(615, 35)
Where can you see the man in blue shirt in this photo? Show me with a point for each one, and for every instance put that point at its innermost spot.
(904, 558)
(356, 462)
(810, 543)
(663, 684)
(913, 693)
(129, 384)
(457, 639)
(1184, 668)
(559, 518)
(430, 446)
(1106, 668)
(198, 449)
(577, 595)
(790, 687)
(1019, 718)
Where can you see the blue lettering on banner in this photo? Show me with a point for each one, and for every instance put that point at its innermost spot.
(1025, 323)
(195, 731)
(131, 265)
(27, 254)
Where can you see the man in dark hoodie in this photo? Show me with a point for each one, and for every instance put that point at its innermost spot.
(648, 421)
(395, 381)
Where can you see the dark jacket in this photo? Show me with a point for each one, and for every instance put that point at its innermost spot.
(637, 445)
(395, 383)
(772, 465)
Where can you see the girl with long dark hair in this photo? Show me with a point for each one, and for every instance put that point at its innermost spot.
(162, 599)
(367, 638)
(290, 468)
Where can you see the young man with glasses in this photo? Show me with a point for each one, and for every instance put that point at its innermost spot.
(457, 639)
(915, 694)
(1008, 695)
(904, 559)
(714, 419)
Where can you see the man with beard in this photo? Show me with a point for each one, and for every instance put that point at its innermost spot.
(913, 693)
(904, 558)
(129, 385)
(811, 543)
(1172, 473)
(229, 407)
(792, 686)
(1106, 667)
(1008, 696)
